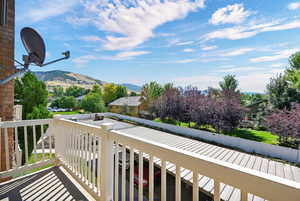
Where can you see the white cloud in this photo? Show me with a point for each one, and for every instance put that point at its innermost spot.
(237, 69)
(278, 65)
(84, 59)
(294, 6)
(206, 48)
(248, 82)
(135, 21)
(45, 9)
(241, 32)
(238, 52)
(184, 61)
(184, 43)
(188, 50)
(284, 54)
(128, 55)
(91, 38)
(233, 14)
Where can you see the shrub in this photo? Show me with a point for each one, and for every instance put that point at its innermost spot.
(93, 102)
(285, 123)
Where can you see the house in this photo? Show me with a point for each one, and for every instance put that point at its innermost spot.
(131, 105)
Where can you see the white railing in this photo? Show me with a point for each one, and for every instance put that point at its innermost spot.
(105, 162)
(81, 147)
(10, 132)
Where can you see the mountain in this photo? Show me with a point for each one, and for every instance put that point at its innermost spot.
(132, 87)
(66, 79)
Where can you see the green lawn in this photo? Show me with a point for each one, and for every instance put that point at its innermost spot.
(66, 113)
(260, 136)
(250, 134)
(31, 160)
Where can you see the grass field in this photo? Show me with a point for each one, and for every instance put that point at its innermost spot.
(32, 160)
(66, 113)
(249, 134)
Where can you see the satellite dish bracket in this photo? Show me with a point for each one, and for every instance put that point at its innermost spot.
(35, 47)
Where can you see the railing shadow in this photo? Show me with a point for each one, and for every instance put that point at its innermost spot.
(51, 184)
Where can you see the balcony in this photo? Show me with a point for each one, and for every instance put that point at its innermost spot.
(113, 160)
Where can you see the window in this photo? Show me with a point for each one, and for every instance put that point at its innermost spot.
(3, 12)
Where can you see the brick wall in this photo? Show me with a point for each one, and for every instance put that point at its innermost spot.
(6, 68)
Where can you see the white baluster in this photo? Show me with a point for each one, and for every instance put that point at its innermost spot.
(42, 138)
(131, 182)
(18, 159)
(178, 183)
(216, 190)
(123, 173)
(151, 179)
(116, 172)
(244, 195)
(94, 162)
(141, 179)
(34, 142)
(163, 180)
(26, 144)
(195, 186)
(6, 149)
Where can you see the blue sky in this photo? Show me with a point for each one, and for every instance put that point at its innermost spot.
(187, 42)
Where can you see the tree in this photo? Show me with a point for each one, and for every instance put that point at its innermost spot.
(229, 83)
(109, 93)
(58, 91)
(64, 102)
(293, 72)
(75, 91)
(33, 96)
(30, 93)
(294, 61)
(281, 94)
(121, 91)
(96, 89)
(93, 102)
(286, 124)
(151, 91)
(133, 93)
(169, 105)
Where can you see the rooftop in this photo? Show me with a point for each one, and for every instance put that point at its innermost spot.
(127, 101)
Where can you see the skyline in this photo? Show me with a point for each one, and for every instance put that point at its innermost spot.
(187, 42)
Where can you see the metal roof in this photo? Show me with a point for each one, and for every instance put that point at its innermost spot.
(129, 101)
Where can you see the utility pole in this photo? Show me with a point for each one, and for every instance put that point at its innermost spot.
(7, 34)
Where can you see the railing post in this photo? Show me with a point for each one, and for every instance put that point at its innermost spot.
(106, 164)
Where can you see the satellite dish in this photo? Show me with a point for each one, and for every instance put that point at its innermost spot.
(34, 45)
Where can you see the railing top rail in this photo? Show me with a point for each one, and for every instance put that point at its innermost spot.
(12, 124)
(237, 176)
(79, 125)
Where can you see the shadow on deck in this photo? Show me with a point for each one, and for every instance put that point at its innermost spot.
(52, 184)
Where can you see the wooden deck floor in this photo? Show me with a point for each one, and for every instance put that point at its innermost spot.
(228, 193)
(52, 184)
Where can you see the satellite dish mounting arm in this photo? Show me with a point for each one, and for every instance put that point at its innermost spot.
(66, 56)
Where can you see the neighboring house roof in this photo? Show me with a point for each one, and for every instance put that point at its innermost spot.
(129, 101)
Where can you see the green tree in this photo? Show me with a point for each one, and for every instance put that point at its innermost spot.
(293, 72)
(30, 93)
(33, 96)
(93, 102)
(109, 93)
(229, 83)
(121, 91)
(151, 91)
(64, 102)
(75, 91)
(281, 94)
(294, 61)
(96, 89)
(58, 91)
